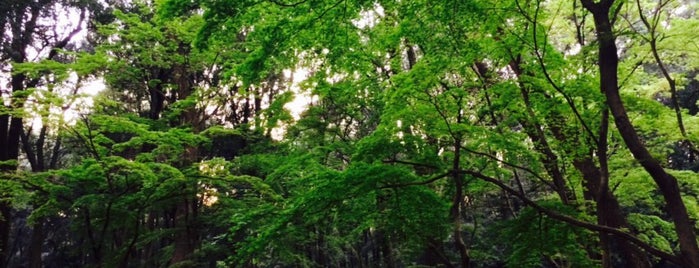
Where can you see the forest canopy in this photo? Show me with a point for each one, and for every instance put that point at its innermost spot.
(340, 133)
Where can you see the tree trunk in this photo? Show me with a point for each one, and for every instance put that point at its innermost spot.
(10, 152)
(185, 237)
(36, 244)
(535, 132)
(4, 233)
(609, 213)
(456, 205)
(608, 64)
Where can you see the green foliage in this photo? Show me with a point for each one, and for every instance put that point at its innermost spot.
(654, 230)
(403, 97)
(533, 238)
(276, 114)
(10, 184)
(327, 203)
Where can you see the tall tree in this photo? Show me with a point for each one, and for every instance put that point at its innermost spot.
(605, 13)
(28, 34)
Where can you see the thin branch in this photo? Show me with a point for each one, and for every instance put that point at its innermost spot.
(433, 101)
(653, 40)
(579, 24)
(64, 42)
(87, 141)
(396, 161)
(322, 14)
(635, 68)
(279, 3)
(431, 180)
(528, 170)
(616, 12)
(549, 79)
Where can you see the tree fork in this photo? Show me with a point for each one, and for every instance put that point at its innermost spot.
(608, 64)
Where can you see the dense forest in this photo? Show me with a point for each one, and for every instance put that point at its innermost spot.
(349, 133)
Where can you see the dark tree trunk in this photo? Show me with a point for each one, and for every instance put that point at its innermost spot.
(535, 132)
(156, 102)
(458, 178)
(20, 18)
(4, 233)
(185, 237)
(156, 95)
(609, 213)
(36, 244)
(608, 64)
(10, 152)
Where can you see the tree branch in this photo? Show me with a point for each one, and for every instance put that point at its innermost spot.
(396, 161)
(279, 3)
(528, 170)
(540, 59)
(579, 223)
(653, 40)
(431, 180)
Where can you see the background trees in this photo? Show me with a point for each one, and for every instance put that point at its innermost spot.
(30, 35)
(459, 134)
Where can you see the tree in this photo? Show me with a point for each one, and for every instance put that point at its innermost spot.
(459, 80)
(459, 134)
(139, 155)
(609, 84)
(27, 35)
